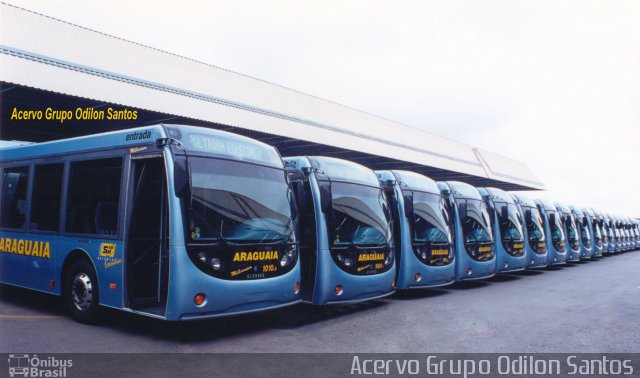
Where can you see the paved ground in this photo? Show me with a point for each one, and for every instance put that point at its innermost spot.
(586, 307)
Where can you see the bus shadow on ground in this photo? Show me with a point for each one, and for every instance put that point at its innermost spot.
(504, 277)
(469, 285)
(205, 330)
(526, 273)
(421, 293)
(41, 304)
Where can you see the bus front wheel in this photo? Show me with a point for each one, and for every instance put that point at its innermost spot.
(81, 294)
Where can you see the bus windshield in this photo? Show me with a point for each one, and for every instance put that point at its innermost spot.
(557, 235)
(429, 223)
(510, 228)
(240, 202)
(534, 227)
(475, 225)
(572, 232)
(585, 234)
(359, 216)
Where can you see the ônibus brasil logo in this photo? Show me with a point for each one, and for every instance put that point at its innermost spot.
(25, 365)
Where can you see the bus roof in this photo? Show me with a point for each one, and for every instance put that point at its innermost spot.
(463, 190)
(337, 169)
(522, 199)
(498, 195)
(416, 181)
(195, 139)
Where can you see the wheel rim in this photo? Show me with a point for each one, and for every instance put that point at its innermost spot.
(82, 291)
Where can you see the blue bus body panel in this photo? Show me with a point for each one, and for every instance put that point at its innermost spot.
(30, 260)
(504, 261)
(409, 265)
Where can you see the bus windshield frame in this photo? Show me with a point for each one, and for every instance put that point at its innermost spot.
(254, 200)
(429, 218)
(364, 204)
(511, 233)
(476, 229)
(535, 229)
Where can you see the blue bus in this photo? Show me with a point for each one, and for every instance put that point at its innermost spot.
(556, 247)
(593, 225)
(168, 221)
(507, 228)
(421, 229)
(570, 231)
(586, 247)
(604, 230)
(613, 226)
(536, 245)
(635, 226)
(627, 234)
(347, 244)
(475, 257)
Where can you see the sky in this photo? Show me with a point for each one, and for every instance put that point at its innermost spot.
(555, 84)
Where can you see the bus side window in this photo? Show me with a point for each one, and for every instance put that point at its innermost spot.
(94, 195)
(14, 197)
(47, 192)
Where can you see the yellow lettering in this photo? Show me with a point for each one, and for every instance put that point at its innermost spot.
(440, 252)
(255, 256)
(371, 257)
(26, 247)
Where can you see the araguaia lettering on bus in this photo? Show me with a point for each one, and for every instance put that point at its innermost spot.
(33, 248)
(371, 257)
(255, 256)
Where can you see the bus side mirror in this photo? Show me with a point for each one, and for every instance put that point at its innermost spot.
(181, 177)
(552, 218)
(503, 214)
(462, 209)
(325, 195)
(527, 214)
(408, 203)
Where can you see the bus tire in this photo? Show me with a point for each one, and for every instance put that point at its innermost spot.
(81, 294)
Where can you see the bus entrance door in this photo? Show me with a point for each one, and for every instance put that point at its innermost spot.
(147, 251)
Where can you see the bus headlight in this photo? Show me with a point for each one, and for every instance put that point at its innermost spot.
(284, 260)
(216, 264)
(202, 257)
(389, 259)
